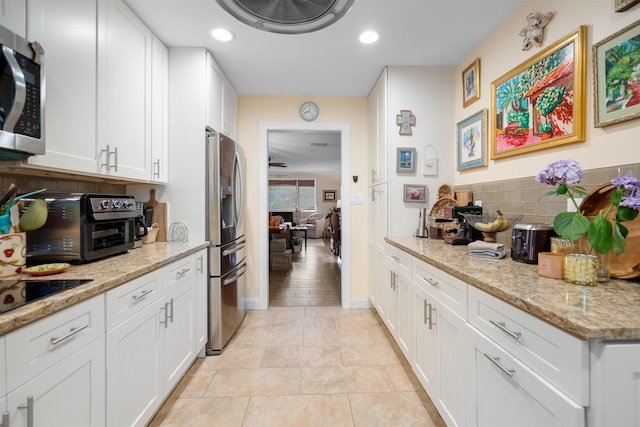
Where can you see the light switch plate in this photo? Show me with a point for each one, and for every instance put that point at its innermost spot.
(357, 199)
(571, 207)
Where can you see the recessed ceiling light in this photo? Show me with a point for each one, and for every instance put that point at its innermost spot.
(368, 37)
(222, 35)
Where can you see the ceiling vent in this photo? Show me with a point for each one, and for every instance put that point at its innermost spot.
(287, 16)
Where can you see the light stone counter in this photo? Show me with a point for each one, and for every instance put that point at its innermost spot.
(608, 311)
(106, 274)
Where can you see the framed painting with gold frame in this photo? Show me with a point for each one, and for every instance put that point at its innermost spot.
(471, 83)
(541, 103)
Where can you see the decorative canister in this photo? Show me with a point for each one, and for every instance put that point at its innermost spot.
(551, 265)
(581, 269)
(13, 253)
(560, 245)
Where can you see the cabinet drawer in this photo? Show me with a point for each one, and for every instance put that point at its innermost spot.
(179, 271)
(38, 346)
(130, 298)
(451, 291)
(400, 260)
(560, 358)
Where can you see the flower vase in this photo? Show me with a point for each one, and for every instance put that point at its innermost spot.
(604, 271)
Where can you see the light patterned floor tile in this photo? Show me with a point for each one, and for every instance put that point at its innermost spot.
(302, 410)
(361, 355)
(320, 337)
(389, 409)
(287, 357)
(254, 382)
(206, 412)
(268, 339)
(403, 378)
(234, 358)
(345, 379)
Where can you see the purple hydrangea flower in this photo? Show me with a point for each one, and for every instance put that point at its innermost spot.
(628, 181)
(562, 171)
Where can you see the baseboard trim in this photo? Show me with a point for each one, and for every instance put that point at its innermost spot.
(361, 303)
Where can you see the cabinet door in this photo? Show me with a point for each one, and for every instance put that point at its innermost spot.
(405, 320)
(382, 283)
(71, 81)
(382, 143)
(13, 16)
(214, 96)
(134, 356)
(504, 392)
(178, 333)
(372, 102)
(69, 394)
(391, 320)
(124, 93)
(229, 104)
(425, 341)
(202, 278)
(450, 398)
(373, 274)
(159, 112)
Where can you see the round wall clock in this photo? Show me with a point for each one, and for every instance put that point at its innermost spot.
(309, 111)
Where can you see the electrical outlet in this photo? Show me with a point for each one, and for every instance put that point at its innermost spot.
(478, 203)
(571, 207)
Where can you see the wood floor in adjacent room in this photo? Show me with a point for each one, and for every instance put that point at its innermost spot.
(312, 280)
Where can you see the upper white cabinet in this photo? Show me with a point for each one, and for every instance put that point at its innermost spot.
(378, 131)
(221, 100)
(68, 34)
(159, 112)
(13, 16)
(124, 92)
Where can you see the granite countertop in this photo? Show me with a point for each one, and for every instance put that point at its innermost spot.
(608, 311)
(106, 274)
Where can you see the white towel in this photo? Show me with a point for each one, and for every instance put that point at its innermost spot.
(482, 249)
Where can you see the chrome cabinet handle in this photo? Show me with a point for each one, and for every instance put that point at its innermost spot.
(182, 272)
(373, 195)
(72, 332)
(200, 264)
(156, 167)
(430, 310)
(432, 282)
(107, 157)
(164, 322)
(503, 328)
(142, 295)
(5, 420)
(373, 175)
(496, 361)
(29, 408)
(395, 258)
(115, 152)
(425, 311)
(170, 316)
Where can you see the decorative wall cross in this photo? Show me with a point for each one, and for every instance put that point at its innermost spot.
(405, 120)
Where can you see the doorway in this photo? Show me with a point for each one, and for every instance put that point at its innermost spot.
(263, 172)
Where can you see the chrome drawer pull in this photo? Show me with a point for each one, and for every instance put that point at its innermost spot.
(432, 282)
(503, 328)
(156, 167)
(496, 361)
(169, 316)
(5, 420)
(431, 310)
(182, 272)
(142, 295)
(29, 408)
(425, 311)
(395, 258)
(72, 332)
(200, 264)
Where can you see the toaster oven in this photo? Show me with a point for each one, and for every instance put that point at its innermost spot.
(83, 227)
(527, 240)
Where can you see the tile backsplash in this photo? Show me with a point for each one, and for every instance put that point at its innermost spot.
(525, 196)
(31, 182)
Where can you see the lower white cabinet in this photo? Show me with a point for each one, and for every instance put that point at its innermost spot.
(150, 350)
(202, 280)
(425, 343)
(504, 392)
(69, 394)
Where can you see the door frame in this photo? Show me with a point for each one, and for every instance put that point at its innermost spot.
(263, 204)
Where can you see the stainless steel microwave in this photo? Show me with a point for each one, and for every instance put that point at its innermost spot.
(22, 95)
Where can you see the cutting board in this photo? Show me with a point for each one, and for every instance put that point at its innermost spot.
(159, 215)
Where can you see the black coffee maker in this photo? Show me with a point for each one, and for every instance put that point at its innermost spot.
(465, 232)
(142, 226)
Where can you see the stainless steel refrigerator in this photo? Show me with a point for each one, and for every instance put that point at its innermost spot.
(225, 231)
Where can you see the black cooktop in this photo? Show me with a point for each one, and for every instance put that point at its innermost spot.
(16, 293)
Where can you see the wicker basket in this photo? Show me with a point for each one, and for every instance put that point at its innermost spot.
(446, 190)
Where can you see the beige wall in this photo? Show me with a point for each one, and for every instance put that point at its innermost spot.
(500, 52)
(253, 110)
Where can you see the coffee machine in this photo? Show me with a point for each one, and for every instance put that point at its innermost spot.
(464, 233)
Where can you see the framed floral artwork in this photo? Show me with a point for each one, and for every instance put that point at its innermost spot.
(541, 103)
(471, 83)
(622, 5)
(616, 80)
(415, 193)
(472, 141)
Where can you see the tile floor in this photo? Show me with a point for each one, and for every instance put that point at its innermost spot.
(313, 279)
(302, 366)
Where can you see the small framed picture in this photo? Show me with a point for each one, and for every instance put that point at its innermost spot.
(472, 141)
(406, 160)
(415, 193)
(471, 83)
(329, 195)
(622, 5)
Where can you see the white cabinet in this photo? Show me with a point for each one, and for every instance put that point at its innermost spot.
(124, 93)
(377, 231)
(55, 369)
(201, 313)
(438, 340)
(71, 53)
(13, 16)
(378, 131)
(221, 100)
(152, 346)
(159, 112)
(398, 317)
(505, 392)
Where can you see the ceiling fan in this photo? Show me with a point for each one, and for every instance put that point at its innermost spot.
(277, 164)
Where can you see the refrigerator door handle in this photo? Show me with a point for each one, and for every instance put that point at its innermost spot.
(236, 276)
(235, 248)
(238, 178)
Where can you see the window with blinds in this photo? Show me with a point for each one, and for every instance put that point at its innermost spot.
(292, 194)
